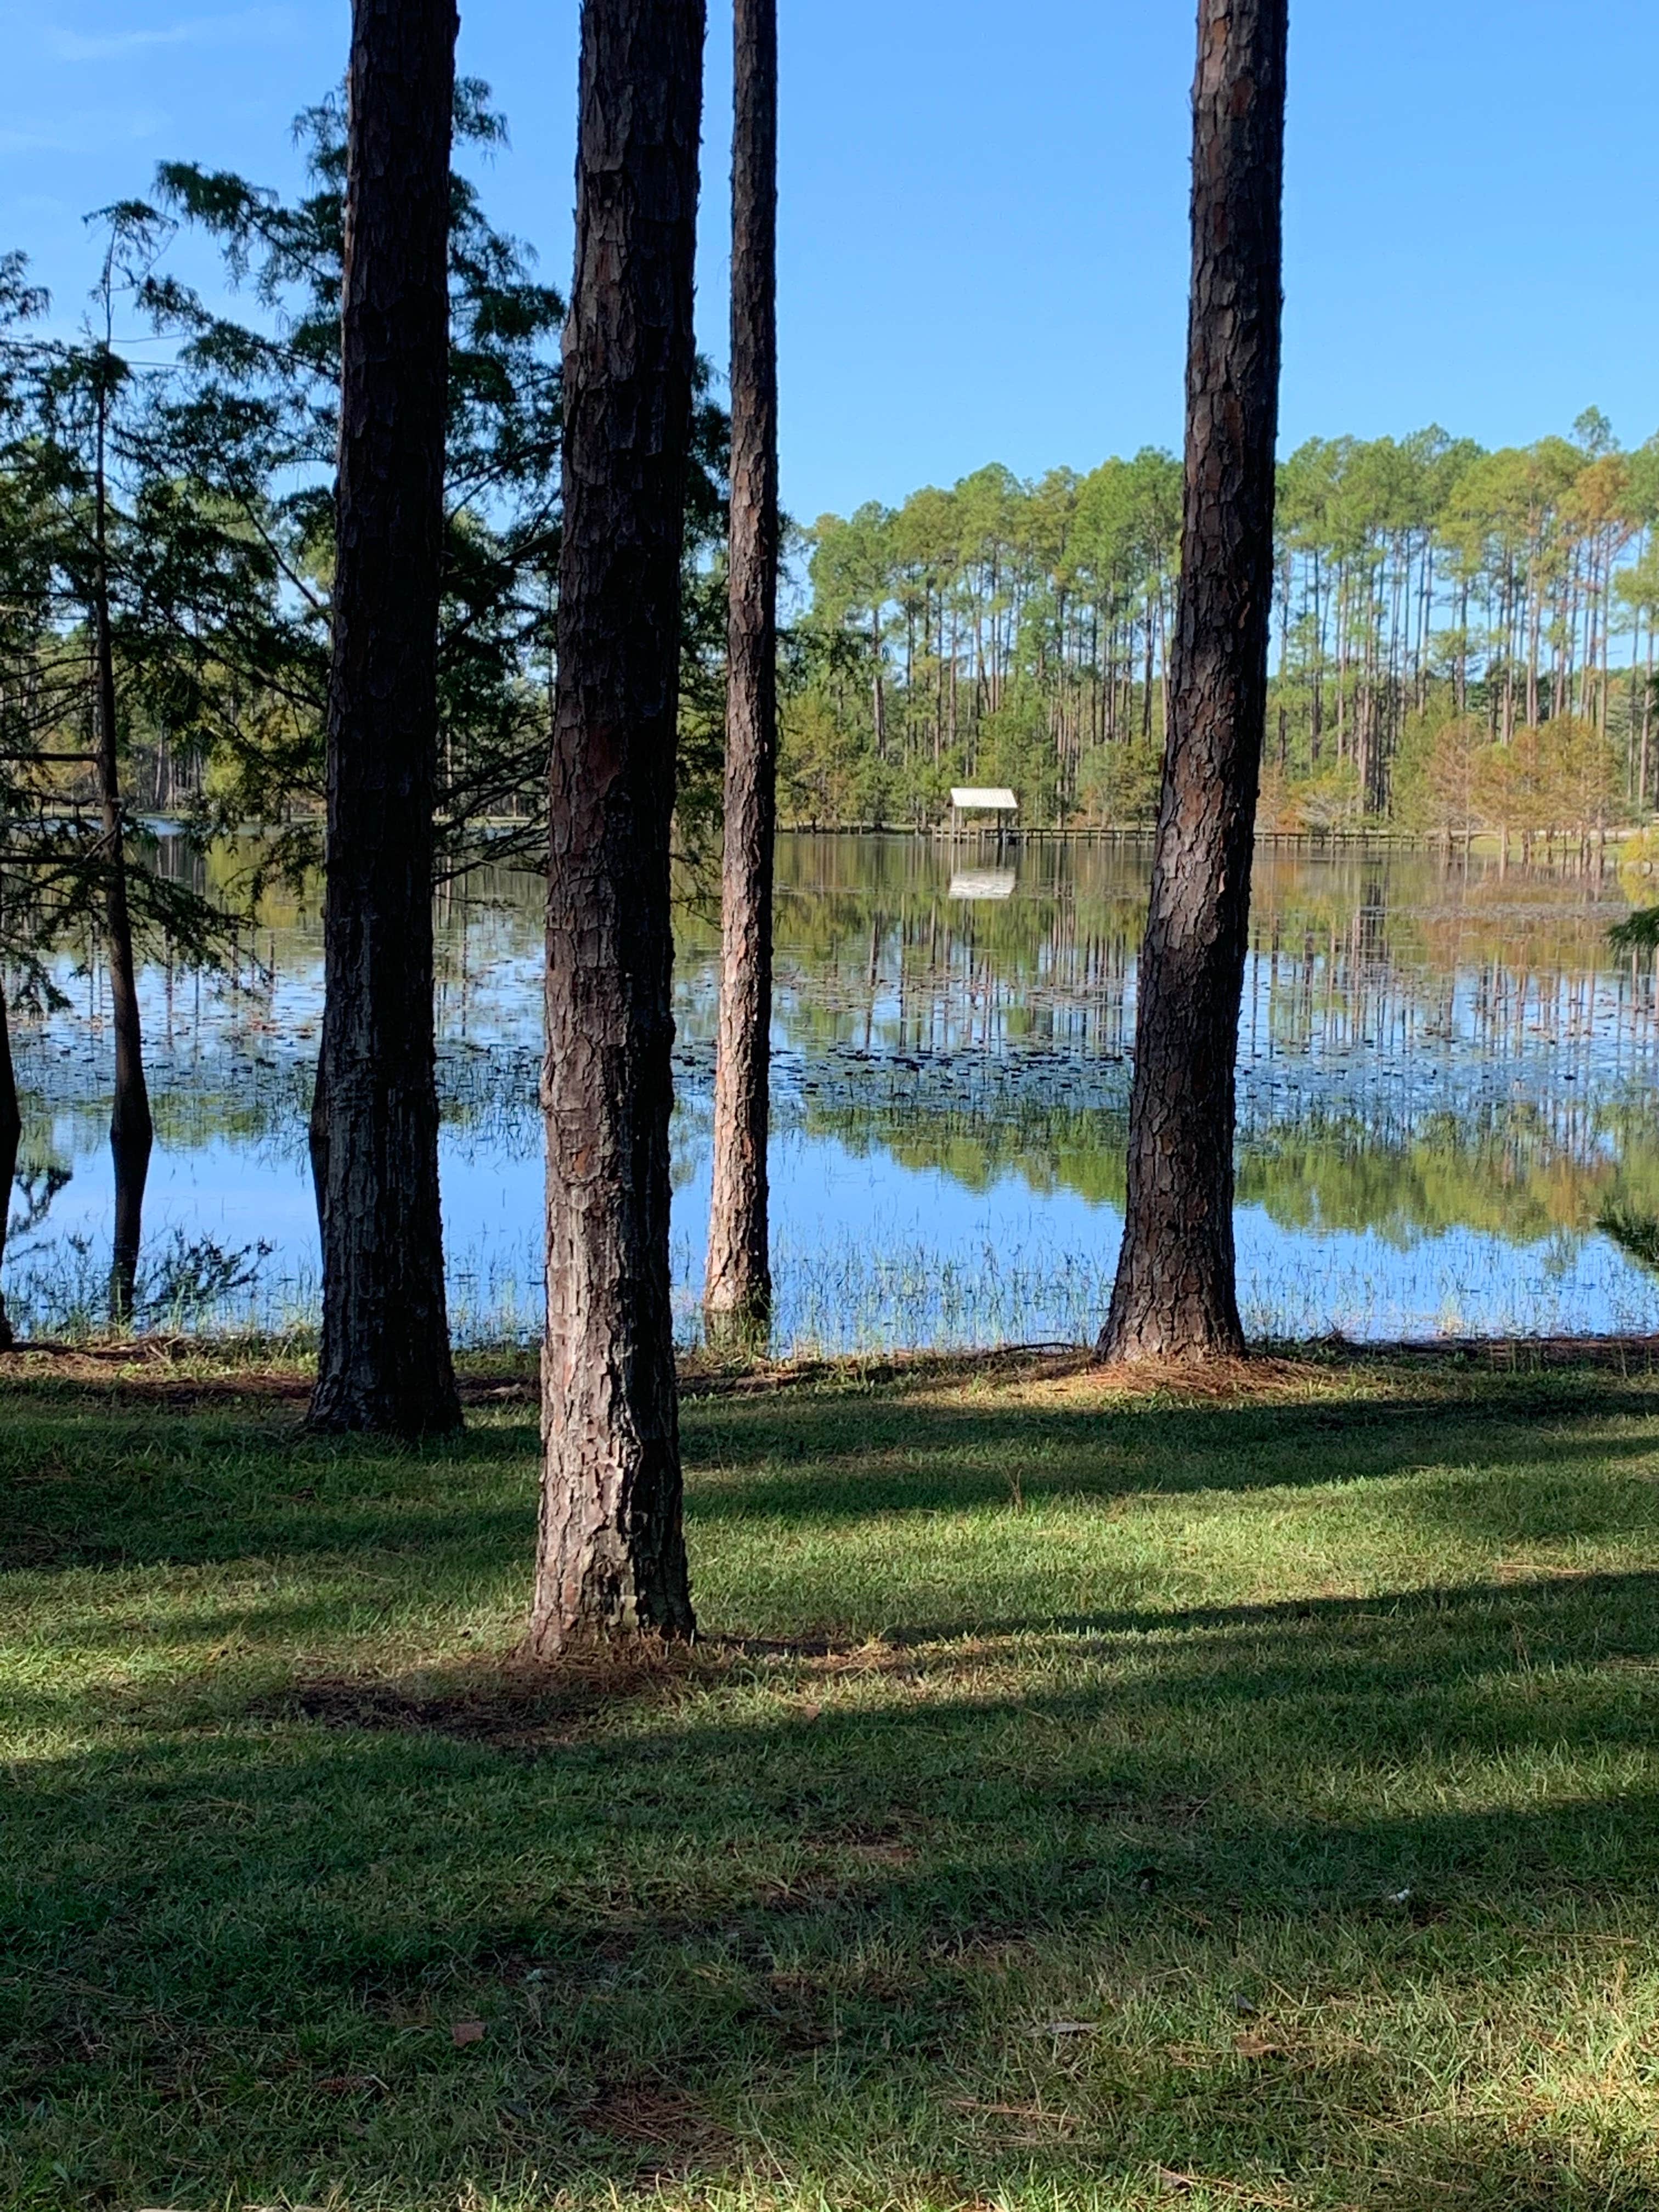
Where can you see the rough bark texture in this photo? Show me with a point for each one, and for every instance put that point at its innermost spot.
(384, 1360)
(11, 1137)
(737, 1293)
(1174, 1296)
(611, 1555)
(131, 1131)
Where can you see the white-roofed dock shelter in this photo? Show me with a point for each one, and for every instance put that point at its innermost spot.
(994, 799)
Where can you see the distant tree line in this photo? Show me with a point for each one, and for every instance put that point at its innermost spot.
(1432, 602)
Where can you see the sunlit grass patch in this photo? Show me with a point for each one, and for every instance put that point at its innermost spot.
(1081, 1796)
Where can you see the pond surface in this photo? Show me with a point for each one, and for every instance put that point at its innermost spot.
(1446, 1081)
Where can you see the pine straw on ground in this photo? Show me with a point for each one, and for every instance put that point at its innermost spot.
(187, 1369)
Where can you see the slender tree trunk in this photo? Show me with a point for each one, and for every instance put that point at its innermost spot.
(1509, 618)
(131, 1131)
(1604, 687)
(1174, 1295)
(384, 1360)
(11, 1137)
(610, 1557)
(1318, 712)
(1342, 644)
(738, 1296)
(1163, 657)
(1463, 649)
(1535, 630)
(1146, 692)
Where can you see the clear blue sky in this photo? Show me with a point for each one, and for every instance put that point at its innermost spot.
(983, 218)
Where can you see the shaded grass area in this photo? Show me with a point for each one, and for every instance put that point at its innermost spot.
(1081, 1797)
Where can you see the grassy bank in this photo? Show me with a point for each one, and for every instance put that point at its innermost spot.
(1081, 1799)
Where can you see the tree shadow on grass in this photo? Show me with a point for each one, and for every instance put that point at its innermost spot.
(826, 1459)
(1604, 1615)
(1327, 1897)
(96, 1480)
(94, 1483)
(326, 1528)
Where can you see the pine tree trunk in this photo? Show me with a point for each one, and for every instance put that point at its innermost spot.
(384, 1362)
(737, 1293)
(131, 1131)
(11, 1137)
(1174, 1296)
(610, 1554)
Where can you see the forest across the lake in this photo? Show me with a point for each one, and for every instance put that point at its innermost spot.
(1464, 642)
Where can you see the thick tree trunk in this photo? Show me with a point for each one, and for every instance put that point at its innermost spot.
(738, 1295)
(1174, 1296)
(11, 1137)
(384, 1360)
(131, 1131)
(610, 1553)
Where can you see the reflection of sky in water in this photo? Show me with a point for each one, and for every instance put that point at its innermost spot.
(1441, 1085)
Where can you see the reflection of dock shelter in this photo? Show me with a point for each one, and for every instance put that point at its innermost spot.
(994, 799)
(983, 882)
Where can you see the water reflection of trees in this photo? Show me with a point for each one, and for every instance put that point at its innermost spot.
(1424, 1046)
(1513, 1173)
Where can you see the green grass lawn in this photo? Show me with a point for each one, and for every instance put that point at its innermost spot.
(1078, 1800)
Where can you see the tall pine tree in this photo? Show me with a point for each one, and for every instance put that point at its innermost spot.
(610, 1559)
(385, 1358)
(738, 1296)
(1174, 1296)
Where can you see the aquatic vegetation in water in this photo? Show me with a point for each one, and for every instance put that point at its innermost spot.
(1448, 1103)
(1635, 1233)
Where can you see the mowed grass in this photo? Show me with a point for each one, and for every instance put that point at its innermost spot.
(1080, 1798)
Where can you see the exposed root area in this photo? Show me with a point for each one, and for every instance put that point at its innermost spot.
(511, 1707)
(188, 1373)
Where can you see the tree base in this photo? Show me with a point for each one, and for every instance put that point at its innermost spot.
(1168, 1341)
(562, 1644)
(342, 1409)
(738, 1331)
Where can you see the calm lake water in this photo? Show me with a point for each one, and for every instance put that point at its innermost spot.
(1446, 1081)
